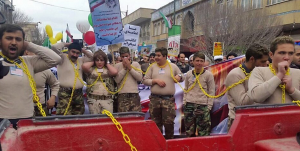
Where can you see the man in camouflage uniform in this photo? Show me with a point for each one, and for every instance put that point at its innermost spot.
(66, 78)
(128, 97)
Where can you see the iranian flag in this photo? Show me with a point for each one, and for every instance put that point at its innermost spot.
(168, 21)
(69, 36)
(95, 3)
(47, 43)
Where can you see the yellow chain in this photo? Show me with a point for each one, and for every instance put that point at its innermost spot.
(298, 102)
(74, 84)
(31, 82)
(282, 86)
(122, 85)
(119, 127)
(139, 70)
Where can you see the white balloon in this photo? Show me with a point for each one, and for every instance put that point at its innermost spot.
(83, 26)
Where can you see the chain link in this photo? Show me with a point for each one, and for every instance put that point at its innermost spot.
(31, 82)
(282, 86)
(119, 127)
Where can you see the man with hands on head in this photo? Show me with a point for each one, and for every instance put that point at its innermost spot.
(277, 83)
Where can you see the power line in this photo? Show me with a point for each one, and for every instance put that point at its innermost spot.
(59, 6)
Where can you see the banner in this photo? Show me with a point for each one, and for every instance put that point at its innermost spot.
(131, 36)
(144, 50)
(174, 40)
(107, 21)
(219, 112)
(218, 49)
(104, 48)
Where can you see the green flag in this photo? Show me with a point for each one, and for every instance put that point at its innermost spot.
(46, 43)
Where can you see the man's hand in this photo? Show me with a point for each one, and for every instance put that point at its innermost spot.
(282, 69)
(287, 80)
(159, 82)
(177, 77)
(126, 63)
(51, 102)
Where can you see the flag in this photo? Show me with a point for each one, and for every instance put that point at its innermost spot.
(144, 44)
(46, 43)
(168, 22)
(69, 36)
(96, 3)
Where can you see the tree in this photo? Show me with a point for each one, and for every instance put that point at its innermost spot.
(236, 27)
(20, 18)
(33, 33)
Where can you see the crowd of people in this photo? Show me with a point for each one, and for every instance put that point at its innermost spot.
(114, 87)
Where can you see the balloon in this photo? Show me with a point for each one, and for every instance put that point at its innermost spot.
(58, 36)
(89, 37)
(83, 26)
(52, 40)
(90, 20)
(49, 30)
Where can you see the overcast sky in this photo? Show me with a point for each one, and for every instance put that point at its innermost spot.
(58, 18)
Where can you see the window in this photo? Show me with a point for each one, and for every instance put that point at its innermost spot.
(155, 30)
(158, 29)
(245, 4)
(271, 2)
(178, 20)
(256, 4)
(163, 27)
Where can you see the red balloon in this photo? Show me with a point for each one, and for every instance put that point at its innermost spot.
(89, 37)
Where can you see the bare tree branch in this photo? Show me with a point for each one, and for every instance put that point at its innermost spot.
(236, 27)
(20, 18)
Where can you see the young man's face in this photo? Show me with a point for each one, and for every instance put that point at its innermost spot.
(262, 62)
(198, 63)
(231, 57)
(159, 58)
(125, 55)
(12, 44)
(296, 58)
(284, 52)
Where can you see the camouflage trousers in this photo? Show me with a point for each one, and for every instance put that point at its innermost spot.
(162, 112)
(98, 103)
(38, 113)
(129, 102)
(76, 105)
(230, 121)
(196, 117)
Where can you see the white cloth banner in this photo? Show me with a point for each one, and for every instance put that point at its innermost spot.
(104, 48)
(131, 36)
(174, 45)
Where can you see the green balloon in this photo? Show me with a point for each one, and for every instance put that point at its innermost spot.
(90, 20)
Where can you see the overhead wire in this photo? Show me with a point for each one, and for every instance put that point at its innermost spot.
(59, 6)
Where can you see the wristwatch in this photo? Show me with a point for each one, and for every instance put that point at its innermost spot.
(180, 75)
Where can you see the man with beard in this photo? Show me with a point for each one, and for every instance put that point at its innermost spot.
(151, 60)
(67, 69)
(127, 80)
(296, 59)
(184, 67)
(162, 101)
(16, 101)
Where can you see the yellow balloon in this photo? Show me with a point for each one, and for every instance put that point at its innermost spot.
(58, 36)
(49, 30)
(52, 40)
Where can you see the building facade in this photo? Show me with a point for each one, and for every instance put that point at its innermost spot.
(6, 8)
(31, 31)
(186, 15)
